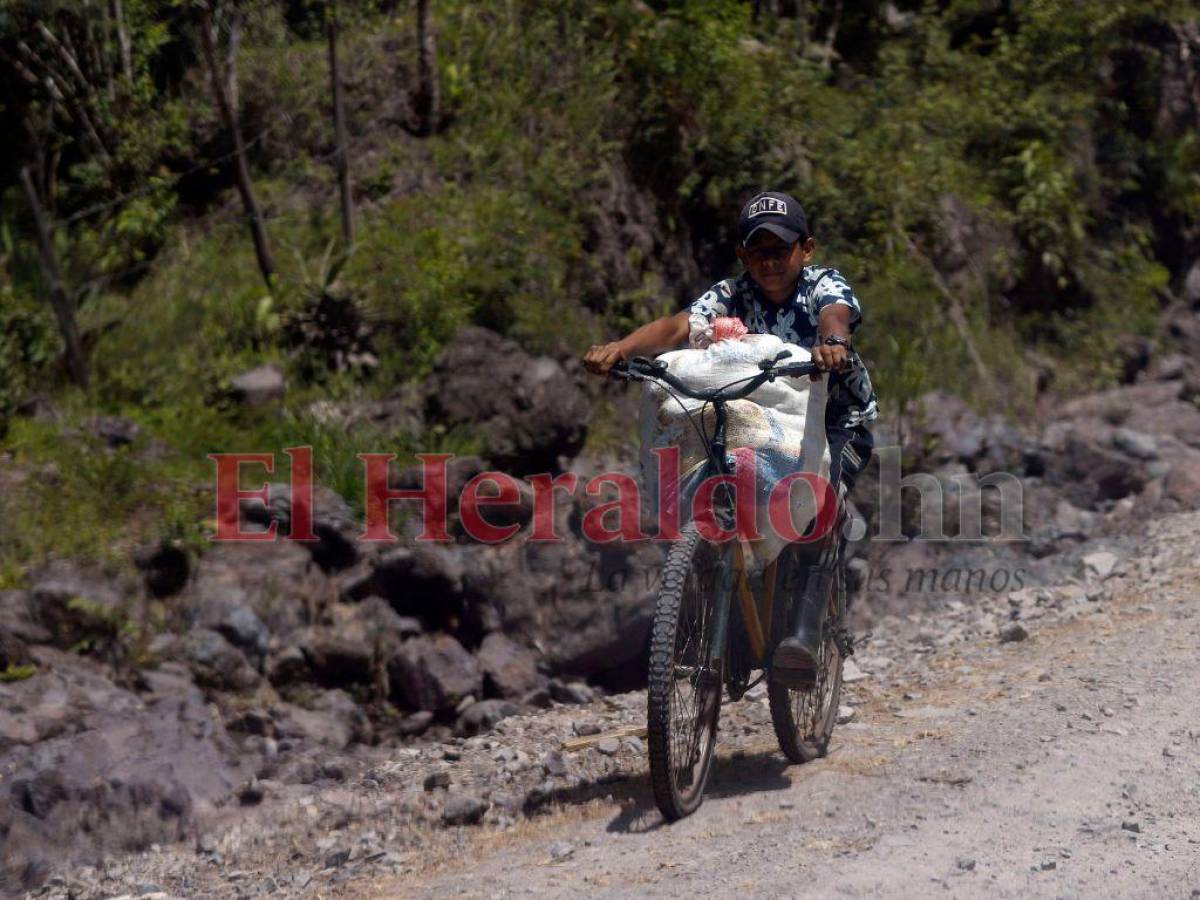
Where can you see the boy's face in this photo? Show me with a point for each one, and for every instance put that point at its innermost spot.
(775, 265)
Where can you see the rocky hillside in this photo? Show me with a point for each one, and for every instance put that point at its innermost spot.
(144, 714)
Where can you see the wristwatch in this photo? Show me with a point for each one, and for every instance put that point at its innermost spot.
(834, 340)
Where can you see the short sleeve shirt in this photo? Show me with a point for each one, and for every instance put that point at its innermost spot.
(852, 400)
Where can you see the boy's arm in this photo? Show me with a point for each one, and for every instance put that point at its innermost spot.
(649, 340)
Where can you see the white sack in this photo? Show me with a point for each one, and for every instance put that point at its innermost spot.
(783, 422)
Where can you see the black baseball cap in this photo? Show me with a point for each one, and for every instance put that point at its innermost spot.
(781, 214)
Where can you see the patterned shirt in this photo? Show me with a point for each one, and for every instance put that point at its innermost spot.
(852, 400)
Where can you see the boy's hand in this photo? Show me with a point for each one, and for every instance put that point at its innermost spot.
(602, 357)
(830, 357)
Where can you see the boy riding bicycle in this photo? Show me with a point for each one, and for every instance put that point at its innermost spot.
(812, 306)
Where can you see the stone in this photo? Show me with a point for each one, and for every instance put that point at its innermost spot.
(571, 691)
(259, 385)
(142, 768)
(433, 673)
(532, 410)
(965, 863)
(216, 663)
(437, 780)
(416, 723)
(115, 431)
(560, 850)
(337, 858)
(1182, 484)
(1135, 443)
(851, 673)
(75, 604)
(586, 729)
(1100, 564)
(509, 669)
(1012, 633)
(554, 765)
(463, 809)
(1131, 826)
(481, 717)
(845, 714)
(608, 746)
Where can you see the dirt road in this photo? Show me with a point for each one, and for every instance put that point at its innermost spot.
(1063, 765)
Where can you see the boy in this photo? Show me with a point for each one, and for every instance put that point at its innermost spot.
(812, 306)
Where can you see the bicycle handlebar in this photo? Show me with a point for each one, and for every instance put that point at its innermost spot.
(639, 369)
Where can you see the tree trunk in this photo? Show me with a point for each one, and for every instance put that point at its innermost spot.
(262, 247)
(802, 27)
(339, 125)
(123, 41)
(831, 34)
(63, 311)
(427, 97)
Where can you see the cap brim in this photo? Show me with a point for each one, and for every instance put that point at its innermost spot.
(783, 233)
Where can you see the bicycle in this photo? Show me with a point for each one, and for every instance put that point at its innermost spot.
(701, 641)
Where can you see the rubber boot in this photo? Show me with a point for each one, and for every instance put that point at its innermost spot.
(795, 661)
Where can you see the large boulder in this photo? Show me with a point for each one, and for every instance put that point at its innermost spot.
(509, 669)
(104, 771)
(278, 582)
(531, 409)
(433, 673)
(333, 523)
(76, 605)
(355, 643)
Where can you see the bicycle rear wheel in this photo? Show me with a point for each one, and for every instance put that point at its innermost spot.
(804, 719)
(684, 684)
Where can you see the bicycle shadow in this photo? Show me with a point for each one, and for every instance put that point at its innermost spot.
(731, 776)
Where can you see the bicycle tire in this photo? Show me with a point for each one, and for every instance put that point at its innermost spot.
(681, 736)
(804, 719)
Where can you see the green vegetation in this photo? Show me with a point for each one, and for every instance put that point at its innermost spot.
(1010, 161)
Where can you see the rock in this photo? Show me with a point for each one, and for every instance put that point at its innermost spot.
(416, 723)
(425, 581)
(1182, 484)
(463, 809)
(328, 718)
(509, 669)
(481, 717)
(1100, 564)
(571, 691)
(337, 858)
(241, 627)
(18, 620)
(531, 409)
(554, 765)
(1090, 473)
(1135, 443)
(433, 673)
(560, 850)
(851, 673)
(1131, 826)
(437, 780)
(965, 864)
(586, 729)
(1191, 286)
(260, 385)
(336, 547)
(845, 714)
(124, 772)
(75, 604)
(164, 567)
(358, 640)
(214, 662)
(608, 746)
(116, 431)
(1013, 632)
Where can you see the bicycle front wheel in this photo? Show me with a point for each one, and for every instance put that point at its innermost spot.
(804, 719)
(684, 685)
